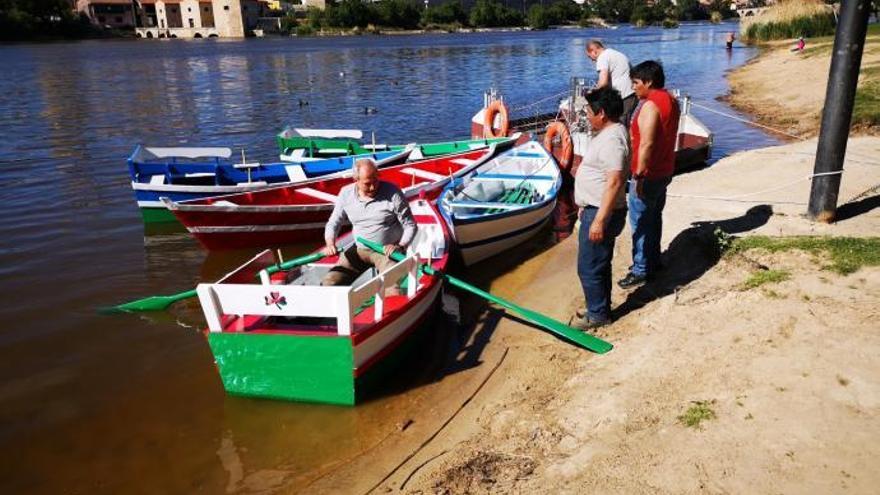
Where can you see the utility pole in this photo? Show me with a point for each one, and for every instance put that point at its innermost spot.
(849, 42)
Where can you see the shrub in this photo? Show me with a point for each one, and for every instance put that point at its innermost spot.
(539, 18)
(446, 13)
(790, 19)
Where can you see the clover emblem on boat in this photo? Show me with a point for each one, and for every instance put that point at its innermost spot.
(277, 299)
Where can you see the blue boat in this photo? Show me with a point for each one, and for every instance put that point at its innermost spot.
(502, 203)
(185, 173)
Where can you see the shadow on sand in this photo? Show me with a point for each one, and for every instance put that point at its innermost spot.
(691, 254)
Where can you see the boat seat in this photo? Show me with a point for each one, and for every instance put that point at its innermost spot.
(295, 173)
(308, 191)
(423, 174)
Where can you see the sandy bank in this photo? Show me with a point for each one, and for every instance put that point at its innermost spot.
(787, 90)
(788, 369)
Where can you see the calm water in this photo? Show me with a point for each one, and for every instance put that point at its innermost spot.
(132, 403)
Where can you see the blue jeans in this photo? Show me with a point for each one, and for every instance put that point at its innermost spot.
(594, 262)
(646, 222)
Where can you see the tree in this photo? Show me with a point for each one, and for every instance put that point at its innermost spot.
(538, 17)
(446, 13)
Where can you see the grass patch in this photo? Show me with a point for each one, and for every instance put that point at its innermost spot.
(697, 413)
(762, 277)
(847, 254)
(866, 110)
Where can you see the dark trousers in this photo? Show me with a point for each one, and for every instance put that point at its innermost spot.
(594, 262)
(646, 223)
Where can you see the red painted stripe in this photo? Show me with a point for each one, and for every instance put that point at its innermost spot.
(425, 218)
(393, 314)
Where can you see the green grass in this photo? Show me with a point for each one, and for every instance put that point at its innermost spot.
(845, 254)
(762, 277)
(697, 413)
(867, 104)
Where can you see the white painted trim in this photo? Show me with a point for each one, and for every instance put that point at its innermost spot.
(423, 174)
(308, 191)
(254, 228)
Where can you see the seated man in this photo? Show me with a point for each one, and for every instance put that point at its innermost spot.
(378, 212)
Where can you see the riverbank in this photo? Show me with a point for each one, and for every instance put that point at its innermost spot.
(746, 371)
(786, 90)
(767, 355)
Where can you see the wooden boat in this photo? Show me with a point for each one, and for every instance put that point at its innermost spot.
(181, 174)
(283, 336)
(297, 213)
(693, 148)
(303, 144)
(502, 204)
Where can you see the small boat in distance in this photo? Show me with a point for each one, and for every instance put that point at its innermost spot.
(284, 336)
(184, 173)
(503, 203)
(308, 144)
(296, 213)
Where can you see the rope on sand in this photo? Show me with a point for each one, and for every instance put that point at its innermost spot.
(739, 197)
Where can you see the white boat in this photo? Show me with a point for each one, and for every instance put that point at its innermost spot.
(502, 203)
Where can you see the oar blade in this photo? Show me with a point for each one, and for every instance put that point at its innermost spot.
(153, 303)
(574, 336)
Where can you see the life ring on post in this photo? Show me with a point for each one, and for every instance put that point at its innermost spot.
(494, 109)
(558, 129)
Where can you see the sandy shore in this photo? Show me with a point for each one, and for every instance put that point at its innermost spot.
(786, 90)
(788, 370)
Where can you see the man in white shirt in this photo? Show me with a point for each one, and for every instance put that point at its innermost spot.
(613, 68)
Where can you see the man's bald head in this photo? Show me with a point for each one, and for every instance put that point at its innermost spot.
(366, 176)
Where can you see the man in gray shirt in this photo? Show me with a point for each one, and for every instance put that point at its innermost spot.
(378, 212)
(599, 192)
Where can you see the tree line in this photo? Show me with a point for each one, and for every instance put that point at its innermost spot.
(411, 14)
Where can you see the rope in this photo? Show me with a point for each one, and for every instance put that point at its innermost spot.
(871, 161)
(537, 102)
(738, 197)
(746, 121)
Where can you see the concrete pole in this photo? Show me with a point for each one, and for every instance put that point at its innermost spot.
(849, 42)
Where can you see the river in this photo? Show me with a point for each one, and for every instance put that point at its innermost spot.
(132, 403)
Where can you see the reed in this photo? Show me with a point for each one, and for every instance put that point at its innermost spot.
(790, 19)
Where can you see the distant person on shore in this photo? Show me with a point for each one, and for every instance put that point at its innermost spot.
(731, 37)
(653, 134)
(800, 45)
(378, 212)
(600, 193)
(613, 68)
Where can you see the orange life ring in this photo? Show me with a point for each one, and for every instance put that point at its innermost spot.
(495, 108)
(559, 129)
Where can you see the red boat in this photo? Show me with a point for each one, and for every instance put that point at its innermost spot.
(297, 213)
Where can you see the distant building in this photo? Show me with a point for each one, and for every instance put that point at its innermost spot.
(197, 19)
(319, 4)
(107, 13)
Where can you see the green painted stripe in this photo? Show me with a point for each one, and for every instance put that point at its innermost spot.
(157, 215)
(288, 367)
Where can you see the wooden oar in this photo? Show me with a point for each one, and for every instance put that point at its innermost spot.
(577, 337)
(159, 303)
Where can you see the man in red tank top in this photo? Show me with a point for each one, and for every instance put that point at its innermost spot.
(653, 134)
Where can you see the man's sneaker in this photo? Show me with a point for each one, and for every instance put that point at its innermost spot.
(585, 324)
(631, 280)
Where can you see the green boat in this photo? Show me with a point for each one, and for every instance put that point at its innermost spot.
(297, 145)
